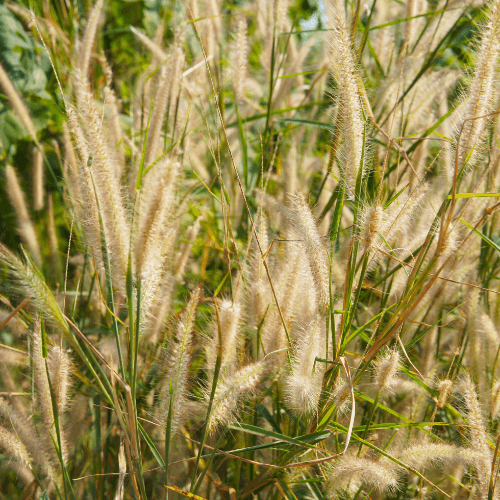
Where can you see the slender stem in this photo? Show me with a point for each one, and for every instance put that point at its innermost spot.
(370, 418)
(209, 462)
(168, 431)
(218, 364)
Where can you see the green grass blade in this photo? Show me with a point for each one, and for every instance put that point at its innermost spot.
(485, 238)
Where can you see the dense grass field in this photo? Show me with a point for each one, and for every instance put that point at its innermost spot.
(249, 249)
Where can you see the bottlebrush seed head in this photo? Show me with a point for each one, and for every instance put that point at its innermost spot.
(349, 473)
(316, 252)
(303, 385)
(444, 388)
(386, 367)
(374, 222)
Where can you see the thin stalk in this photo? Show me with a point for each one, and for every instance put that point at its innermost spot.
(218, 364)
(168, 431)
(366, 31)
(370, 418)
(135, 341)
(271, 88)
(352, 310)
(66, 479)
(209, 462)
(97, 452)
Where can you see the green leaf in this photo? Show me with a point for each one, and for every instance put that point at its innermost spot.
(337, 216)
(402, 425)
(483, 236)
(152, 447)
(265, 413)
(44, 338)
(366, 325)
(280, 112)
(414, 340)
(250, 429)
(11, 129)
(144, 147)
(291, 75)
(382, 407)
(473, 195)
(18, 56)
(311, 123)
(403, 20)
(395, 197)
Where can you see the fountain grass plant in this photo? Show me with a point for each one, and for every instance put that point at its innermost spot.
(262, 261)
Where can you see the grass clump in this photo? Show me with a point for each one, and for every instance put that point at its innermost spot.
(259, 259)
